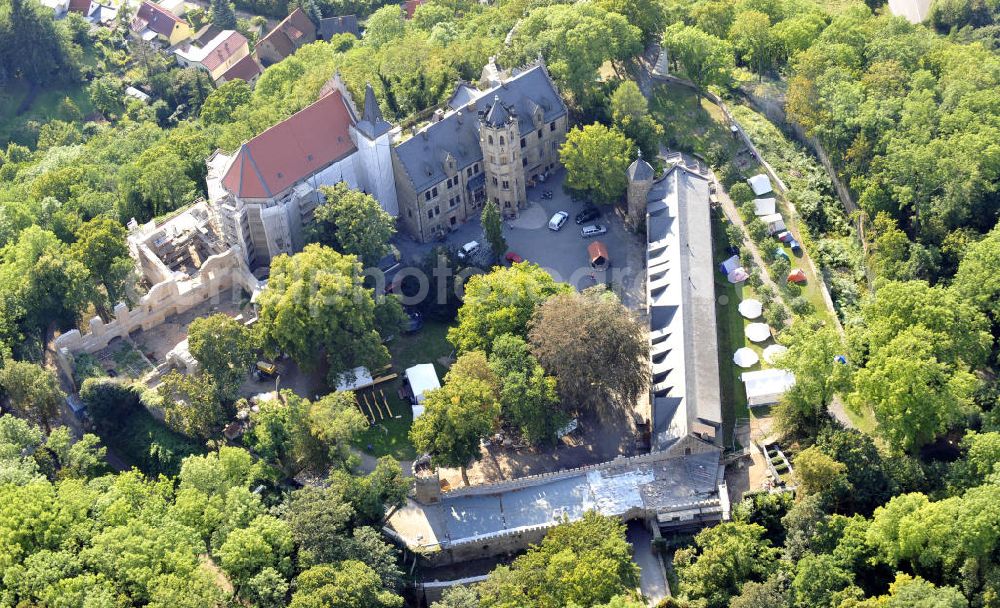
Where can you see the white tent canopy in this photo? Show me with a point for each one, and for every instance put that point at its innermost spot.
(774, 222)
(356, 379)
(757, 332)
(745, 357)
(772, 352)
(760, 184)
(421, 378)
(764, 206)
(739, 275)
(730, 264)
(751, 308)
(766, 386)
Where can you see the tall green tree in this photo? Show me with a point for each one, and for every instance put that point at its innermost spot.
(977, 280)
(225, 348)
(501, 302)
(707, 60)
(100, 246)
(223, 15)
(722, 559)
(596, 160)
(751, 35)
(456, 417)
(191, 403)
(493, 230)
(528, 399)
(818, 377)
(630, 112)
(33, 390)
(348, 583)
(584, 563)
(352, 222)
(315, 305)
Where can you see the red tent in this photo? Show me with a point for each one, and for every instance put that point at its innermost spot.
(797, 276)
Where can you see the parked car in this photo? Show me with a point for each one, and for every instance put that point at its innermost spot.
(593, 230)
(513, 258)
(587, 215)
(557, 221)
(468, 250)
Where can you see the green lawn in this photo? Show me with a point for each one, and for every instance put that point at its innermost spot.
(689, 124)
(389, 437)
(730, 324)
(44, 107)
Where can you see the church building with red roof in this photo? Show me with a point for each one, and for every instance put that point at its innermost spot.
(265, 193)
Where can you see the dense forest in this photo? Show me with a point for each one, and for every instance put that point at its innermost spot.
(902, 513)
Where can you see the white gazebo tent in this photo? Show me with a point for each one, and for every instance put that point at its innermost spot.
(421, 378)
(760, 184)
(729, 264)
(772, 352)
(757, 332)
(738, 275)
(764, 206)
(745, 357)
(751, 308)
(766, 386)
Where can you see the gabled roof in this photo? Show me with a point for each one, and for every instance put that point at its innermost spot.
(306, 142)
(457, 133)
(246, 69)
(331, 26)
(295, 30)
(410, 6)
(156, 18)
(79, 6)
(215, 51)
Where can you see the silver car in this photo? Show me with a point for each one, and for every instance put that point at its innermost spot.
(593, 230)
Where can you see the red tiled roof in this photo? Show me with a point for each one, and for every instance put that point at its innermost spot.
(155, 18)
(224, 50)
(246, 69)
(410, 6)
(286, 35)
(79, 6)
(297, 147)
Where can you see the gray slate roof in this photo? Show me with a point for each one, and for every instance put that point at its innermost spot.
(640, 170)
(422, 156)
(331, 26)
(372, 124)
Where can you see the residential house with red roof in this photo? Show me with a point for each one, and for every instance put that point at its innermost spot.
(217, 55)
(293, 32)
(248, 69)
(265, 193)
(153, 22)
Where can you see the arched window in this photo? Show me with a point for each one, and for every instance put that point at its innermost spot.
(501, 140)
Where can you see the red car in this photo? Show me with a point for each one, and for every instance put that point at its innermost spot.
(513, 258)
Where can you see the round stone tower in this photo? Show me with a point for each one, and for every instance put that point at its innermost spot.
(427, 482)
(640, 181)
(500, 138)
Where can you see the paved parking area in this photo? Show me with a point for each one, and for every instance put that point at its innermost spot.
(564, 253)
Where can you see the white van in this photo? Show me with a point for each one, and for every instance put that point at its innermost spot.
(468, 250)
(558, 220)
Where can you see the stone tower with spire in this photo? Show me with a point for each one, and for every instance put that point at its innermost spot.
(500, 137)
(371, 134)
(640, 181)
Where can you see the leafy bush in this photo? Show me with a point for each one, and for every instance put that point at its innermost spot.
(793, 289)
(781, 267)
(86, 366)
(740, 193)
(748, 211)
(146, 443)
(776, 315)
(754, 280)
(801, 306)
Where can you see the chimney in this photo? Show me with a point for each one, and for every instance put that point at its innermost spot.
(438, 115)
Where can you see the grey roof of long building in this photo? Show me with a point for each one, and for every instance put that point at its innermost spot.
(422, 156)
(685, 476)
(679, 230)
